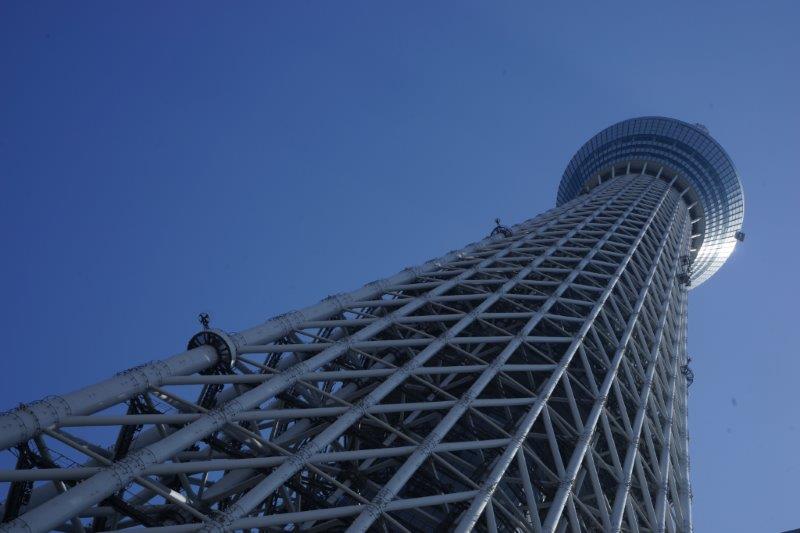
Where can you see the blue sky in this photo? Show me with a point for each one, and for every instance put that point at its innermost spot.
(159, 159)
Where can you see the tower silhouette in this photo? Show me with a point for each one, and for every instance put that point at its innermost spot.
(536, 380)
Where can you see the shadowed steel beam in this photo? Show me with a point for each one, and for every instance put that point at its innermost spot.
(45, 474)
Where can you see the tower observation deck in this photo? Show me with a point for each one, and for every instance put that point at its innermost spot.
(536, 380)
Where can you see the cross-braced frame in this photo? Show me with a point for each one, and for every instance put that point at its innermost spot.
(531, 381)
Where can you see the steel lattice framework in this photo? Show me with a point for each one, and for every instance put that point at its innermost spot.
(535, 380)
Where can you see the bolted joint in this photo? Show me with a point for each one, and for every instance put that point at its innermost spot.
(222, 343)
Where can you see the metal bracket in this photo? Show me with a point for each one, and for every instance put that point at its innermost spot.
(500, 229)
(220, 341)
(687, 372)
(685, 272)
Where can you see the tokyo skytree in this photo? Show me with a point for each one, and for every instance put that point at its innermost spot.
(535, 380)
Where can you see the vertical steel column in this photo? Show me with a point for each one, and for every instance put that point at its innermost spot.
(631, 454)
(668, 425)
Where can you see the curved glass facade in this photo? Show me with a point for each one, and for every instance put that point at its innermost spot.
(687, 150)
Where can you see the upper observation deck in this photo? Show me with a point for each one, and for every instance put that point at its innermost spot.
(667, 148)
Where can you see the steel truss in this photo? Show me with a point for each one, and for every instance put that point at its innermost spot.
(531, 381)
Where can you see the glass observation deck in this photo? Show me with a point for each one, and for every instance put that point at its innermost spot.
(667, 148)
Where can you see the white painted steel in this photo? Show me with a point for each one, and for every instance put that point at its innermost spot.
(535, 380)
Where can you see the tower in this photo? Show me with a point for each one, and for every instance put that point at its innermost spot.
(534, 380)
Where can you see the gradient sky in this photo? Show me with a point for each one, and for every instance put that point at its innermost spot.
(159, 159)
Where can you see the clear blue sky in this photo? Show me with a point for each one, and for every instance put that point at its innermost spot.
(159, 159)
